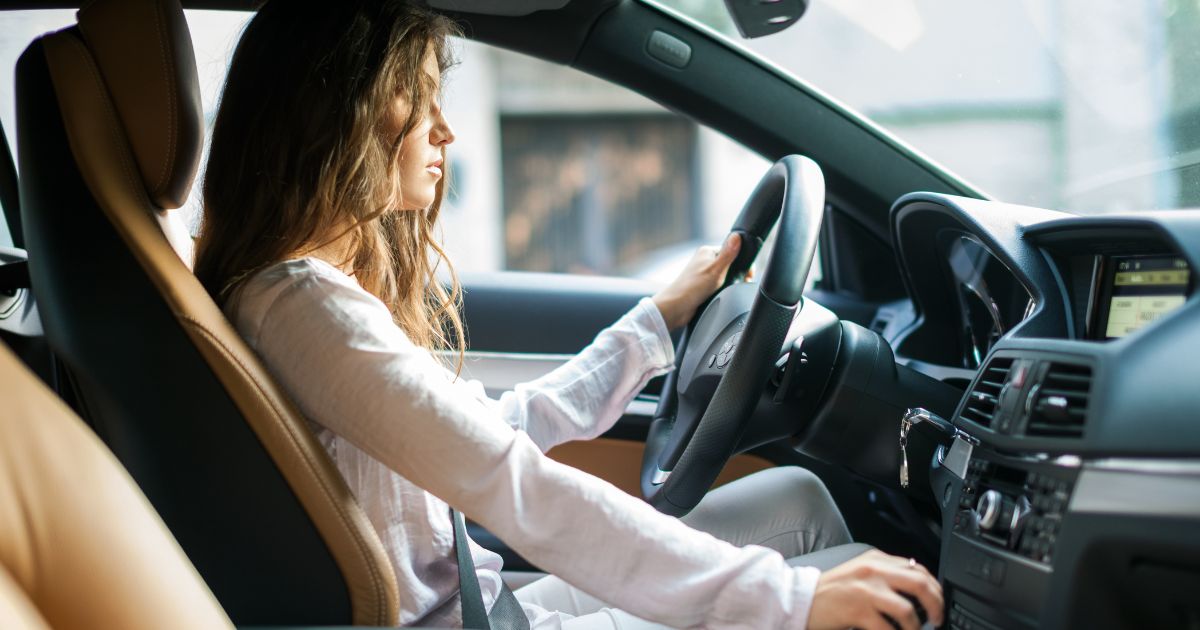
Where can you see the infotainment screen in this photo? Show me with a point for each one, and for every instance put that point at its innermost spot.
(1140, 289)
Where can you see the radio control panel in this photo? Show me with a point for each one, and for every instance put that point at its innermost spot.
(1013, 508)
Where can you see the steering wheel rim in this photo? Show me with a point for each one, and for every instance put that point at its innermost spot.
(684, 451)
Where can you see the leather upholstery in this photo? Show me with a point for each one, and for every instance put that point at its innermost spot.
(163, 376)
(16, 611)
(80, 547)
(143, 51)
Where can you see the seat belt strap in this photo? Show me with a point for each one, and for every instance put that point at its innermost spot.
(507, 613)
(474, 615)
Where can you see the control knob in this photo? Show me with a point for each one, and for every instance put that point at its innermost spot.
(998, 514)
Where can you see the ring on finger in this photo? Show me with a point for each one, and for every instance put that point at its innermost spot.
(912, 563)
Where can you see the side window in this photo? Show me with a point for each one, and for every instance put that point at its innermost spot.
(554, 170)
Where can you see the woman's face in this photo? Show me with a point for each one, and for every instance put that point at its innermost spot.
(421, 151)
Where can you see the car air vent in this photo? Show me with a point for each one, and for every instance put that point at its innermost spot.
(1060, 402)
(982, 400)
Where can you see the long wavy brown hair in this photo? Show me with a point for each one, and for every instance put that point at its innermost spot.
(298, 160)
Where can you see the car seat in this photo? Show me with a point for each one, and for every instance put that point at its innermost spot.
(79, 545)
(109, 134)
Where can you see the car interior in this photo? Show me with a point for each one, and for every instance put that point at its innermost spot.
(1004, 393)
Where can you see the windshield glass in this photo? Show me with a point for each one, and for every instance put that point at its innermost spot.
(1087, 106)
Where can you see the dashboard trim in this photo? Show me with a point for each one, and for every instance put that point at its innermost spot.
(1183, 467)
(1106, 491)
(917, 221)
(1090, 316)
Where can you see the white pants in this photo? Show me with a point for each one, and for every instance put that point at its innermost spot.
(787, 509)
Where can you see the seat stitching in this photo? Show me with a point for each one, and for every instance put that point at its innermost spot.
(341, 512)
(113, 125)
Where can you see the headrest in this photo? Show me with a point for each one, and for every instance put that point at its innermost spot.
(144, 53)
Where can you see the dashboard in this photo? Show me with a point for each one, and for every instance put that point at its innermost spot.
(1070, 496)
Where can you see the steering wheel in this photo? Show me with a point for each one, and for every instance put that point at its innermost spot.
(729, 350)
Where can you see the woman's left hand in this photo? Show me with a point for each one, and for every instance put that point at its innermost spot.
(701, 278)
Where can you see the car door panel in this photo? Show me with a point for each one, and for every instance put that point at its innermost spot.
(543, 313)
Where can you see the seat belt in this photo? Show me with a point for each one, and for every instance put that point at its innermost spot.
(506, 612)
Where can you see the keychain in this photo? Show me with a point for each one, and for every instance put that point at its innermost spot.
(912, 418)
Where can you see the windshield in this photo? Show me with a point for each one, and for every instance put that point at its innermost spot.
(1088, 107)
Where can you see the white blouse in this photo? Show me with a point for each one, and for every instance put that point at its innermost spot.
(410, 437)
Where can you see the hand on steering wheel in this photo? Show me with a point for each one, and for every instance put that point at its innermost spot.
(699, 280)
(729, 350)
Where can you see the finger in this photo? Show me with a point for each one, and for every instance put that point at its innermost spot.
(898, 609)
(911, 564)
(729, 248)
(920, 567)
(921, 586)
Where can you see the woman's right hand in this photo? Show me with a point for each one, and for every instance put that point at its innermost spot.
(868, 590)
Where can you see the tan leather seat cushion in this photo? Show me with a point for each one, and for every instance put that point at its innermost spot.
(77, 537)
(16, 611)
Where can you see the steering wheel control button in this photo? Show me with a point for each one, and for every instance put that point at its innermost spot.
(725, 354)
(669, 49)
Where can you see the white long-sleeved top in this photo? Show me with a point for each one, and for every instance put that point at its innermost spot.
(409, 438)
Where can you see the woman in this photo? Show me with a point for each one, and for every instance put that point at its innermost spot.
(321, 193)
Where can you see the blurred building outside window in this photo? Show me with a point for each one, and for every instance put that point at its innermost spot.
(558, 171)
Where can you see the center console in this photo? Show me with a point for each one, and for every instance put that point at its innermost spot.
(1003, 535)
(1051, 517)
(1004, 509)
